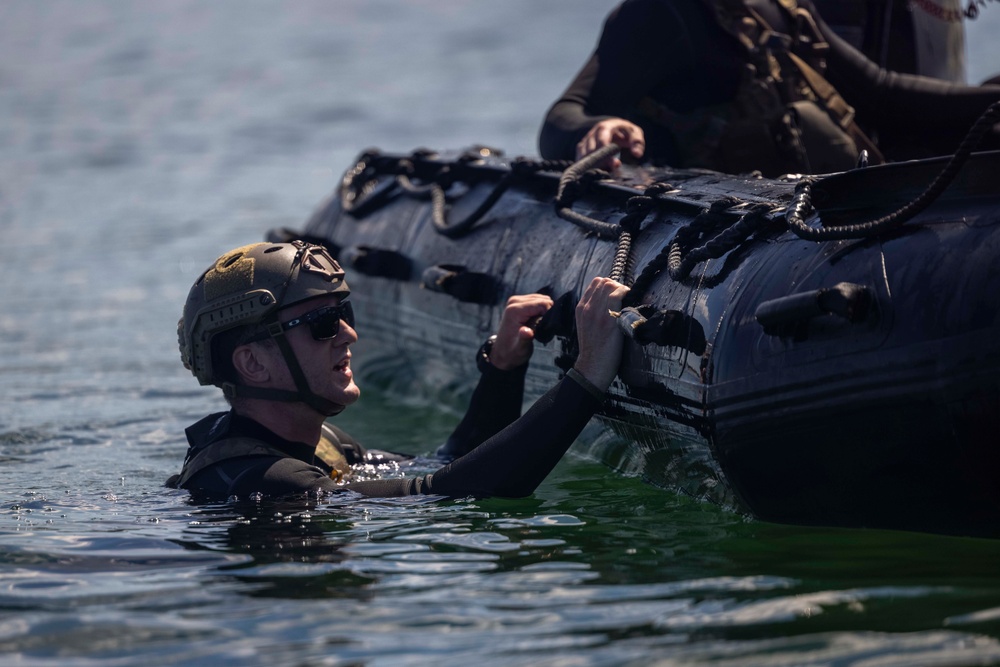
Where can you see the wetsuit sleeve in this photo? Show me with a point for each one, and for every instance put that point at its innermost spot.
(653, 49)
(495, 403)
(642, 45)
(906, 110)
(274, 476)
(513, 462)
(571, 117)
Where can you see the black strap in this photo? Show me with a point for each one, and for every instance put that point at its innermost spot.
(303, 394)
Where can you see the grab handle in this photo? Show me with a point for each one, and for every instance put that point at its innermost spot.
(462, 284)
(377, 262)
(846, 300)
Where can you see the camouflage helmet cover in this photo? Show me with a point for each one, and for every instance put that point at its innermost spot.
(247, 285)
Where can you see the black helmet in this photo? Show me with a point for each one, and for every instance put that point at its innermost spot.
(245, 287)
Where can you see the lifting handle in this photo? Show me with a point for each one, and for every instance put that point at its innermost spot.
(846, 300)
(462, 284)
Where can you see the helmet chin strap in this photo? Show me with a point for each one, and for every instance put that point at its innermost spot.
(304, 393)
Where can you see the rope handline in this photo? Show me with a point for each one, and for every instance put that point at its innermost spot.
(637, 208)
(679, 259)
(707, 236)
(569, 190)
(802, 208)
(520, 168)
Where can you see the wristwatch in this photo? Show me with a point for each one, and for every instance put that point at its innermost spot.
(483, 356)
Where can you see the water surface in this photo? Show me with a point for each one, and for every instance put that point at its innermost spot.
(140, 140)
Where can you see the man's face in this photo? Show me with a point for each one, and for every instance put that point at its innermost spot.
(325, 363)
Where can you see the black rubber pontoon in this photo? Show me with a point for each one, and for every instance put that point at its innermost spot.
(853, 381)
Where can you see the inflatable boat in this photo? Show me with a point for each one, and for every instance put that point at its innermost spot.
(809, 350)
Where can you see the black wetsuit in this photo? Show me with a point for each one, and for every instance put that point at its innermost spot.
(495, 453)
(676, 53)
(881, 29)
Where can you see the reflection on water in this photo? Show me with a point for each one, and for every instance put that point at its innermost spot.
(141, 140)
(597, 570)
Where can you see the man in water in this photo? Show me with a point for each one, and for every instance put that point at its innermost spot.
(743, 85)
(272, 326)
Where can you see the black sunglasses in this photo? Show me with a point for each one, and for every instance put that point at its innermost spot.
(324, 323)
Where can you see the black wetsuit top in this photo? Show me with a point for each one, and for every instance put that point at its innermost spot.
(675, 52)
(495, 453)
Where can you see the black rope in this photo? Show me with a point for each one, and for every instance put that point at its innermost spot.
(520, 168)
(544, 165)
(636, 210)
(570, 186)
(406, 168)
(681, 265)
(357, 181)
(802, 208)
(679, 259)
(708, 236)
(573, 173)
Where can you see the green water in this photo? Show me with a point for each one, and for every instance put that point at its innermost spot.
(595, 568)
(141, 140)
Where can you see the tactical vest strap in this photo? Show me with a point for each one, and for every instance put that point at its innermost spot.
(228, 448)
(837, 107)
(328, 451)
(785, 116)
(827, 96)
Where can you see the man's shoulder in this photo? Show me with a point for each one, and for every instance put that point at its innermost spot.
(268, 475)
(226, 451)
(208, 428)
(653, 21)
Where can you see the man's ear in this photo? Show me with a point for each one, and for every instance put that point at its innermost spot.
(252, 364)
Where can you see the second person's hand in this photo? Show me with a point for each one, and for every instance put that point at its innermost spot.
(613, 131)
(515, 337)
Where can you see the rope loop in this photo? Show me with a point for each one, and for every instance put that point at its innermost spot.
(568, 193)
(639, 204)
(455, 230)
(571, 186)
(682, 259)
(357, 181)
(802, 209)
(527, 166)
(658, 188)
(636, 210)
